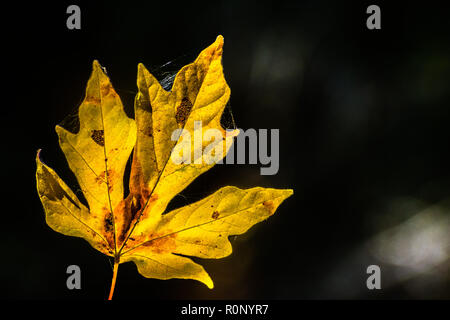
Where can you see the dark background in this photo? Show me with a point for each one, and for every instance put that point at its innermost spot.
(363, 118)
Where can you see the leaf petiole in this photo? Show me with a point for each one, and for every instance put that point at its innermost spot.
(113, 282)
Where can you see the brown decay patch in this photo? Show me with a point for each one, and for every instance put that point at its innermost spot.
(92, 100)
(108, 224)
(137, 180)
(106, 249)
(268, 204)
(152, 199)
(148, 131)
(119, 217)
(132, 211)
(98, 137)
(162, 243)
(145, 192)
(101, 178)
(183, 111)
(215, 215)
(106, 88)
(136, 200)
(131, 207)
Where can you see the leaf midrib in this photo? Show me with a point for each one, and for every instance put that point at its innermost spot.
(164, 167)
(195, 226)
(106, 166)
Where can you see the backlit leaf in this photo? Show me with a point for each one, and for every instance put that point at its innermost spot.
(135, 227)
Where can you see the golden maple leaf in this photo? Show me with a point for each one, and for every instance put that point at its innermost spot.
(134, 228)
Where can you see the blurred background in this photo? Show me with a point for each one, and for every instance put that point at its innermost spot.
(364, 142)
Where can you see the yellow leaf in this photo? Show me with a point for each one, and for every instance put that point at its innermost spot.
(99, 152)
(201, 230)
(65, 213)
(135, 228)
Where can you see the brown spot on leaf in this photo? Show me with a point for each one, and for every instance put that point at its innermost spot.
(183, 111)
(145, 192)
(121, 215)
(147, 208)
(268, 204)
(101, 178)
(106, 88)
(148, 131)
(138, 183)
(109, 223)
(215, 215)
(131, 211)
(162, 243)
(98, 137)
(136, 204)
(92, 100)
(153, 198)
(105, 248)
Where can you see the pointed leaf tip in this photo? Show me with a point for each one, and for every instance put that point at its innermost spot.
(38, 155)
(209, 284)
(141, 69)
(96, 66)
(219, 42)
